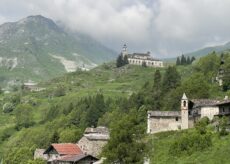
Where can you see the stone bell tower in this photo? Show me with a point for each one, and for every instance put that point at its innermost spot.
(184, 112)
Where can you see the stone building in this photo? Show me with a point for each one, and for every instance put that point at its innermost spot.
(93, 140)
(191, 112)
(163, 121)
(39, 154)
(141, 58)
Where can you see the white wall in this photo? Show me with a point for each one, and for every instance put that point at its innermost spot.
(210, 112)
(149, 63)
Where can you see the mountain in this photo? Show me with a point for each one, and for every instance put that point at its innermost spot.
(206, 50)
(36, 48)
(202, 52)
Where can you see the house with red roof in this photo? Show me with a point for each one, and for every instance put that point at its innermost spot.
(86, 151)
(67, 153)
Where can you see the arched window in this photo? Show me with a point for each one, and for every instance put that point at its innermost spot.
(184, 103)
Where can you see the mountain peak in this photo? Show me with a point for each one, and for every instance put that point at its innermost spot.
(36, 18)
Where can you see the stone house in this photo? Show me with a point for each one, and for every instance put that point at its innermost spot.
(93, 140)
(141, 58)
(191, 112)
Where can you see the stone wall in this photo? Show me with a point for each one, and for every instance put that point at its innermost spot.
(38, 154)
(158, 124)
(209, 112)
(92, 147)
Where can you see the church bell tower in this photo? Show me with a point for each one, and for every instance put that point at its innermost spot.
(184, 112)
(124, 50)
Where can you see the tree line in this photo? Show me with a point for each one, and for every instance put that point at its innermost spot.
(184, 61)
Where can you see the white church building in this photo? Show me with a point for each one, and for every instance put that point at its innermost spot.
(141, 58)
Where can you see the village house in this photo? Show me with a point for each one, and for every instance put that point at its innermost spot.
(85, 151)
(93, 140)
(141, 58)
(64, 153)
(191, 111)
(58, 151)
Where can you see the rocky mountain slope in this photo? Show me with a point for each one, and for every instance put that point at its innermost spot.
(36, 48)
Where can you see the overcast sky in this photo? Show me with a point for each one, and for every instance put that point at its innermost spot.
(165, 27)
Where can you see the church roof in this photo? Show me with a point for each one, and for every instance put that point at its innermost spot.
(184, 97)
(137, 56)
(103, 137)
(164, 113)
(204, 102)
(141, 54)
(99, 130)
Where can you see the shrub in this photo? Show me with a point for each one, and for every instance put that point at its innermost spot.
(8, 107)
(190, 142)
(59, 91)
(201, 125)
(223, 125)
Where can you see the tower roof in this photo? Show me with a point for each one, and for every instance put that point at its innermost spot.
(184, 97)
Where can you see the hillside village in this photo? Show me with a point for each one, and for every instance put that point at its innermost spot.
(124, 113)
(114, 82)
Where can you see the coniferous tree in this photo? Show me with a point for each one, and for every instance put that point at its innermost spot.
(183, 60)
(178, 61)
(119, 62)
(156, 93)
(171, 79)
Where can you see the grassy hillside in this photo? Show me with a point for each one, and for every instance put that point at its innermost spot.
(215, 154)
(101, 96)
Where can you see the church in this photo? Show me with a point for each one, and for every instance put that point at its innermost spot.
(191, 111)
(141, 58)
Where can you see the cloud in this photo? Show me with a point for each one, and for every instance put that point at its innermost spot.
(165, 27)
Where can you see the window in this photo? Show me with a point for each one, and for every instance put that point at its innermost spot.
(176, 118)
(184, 103)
